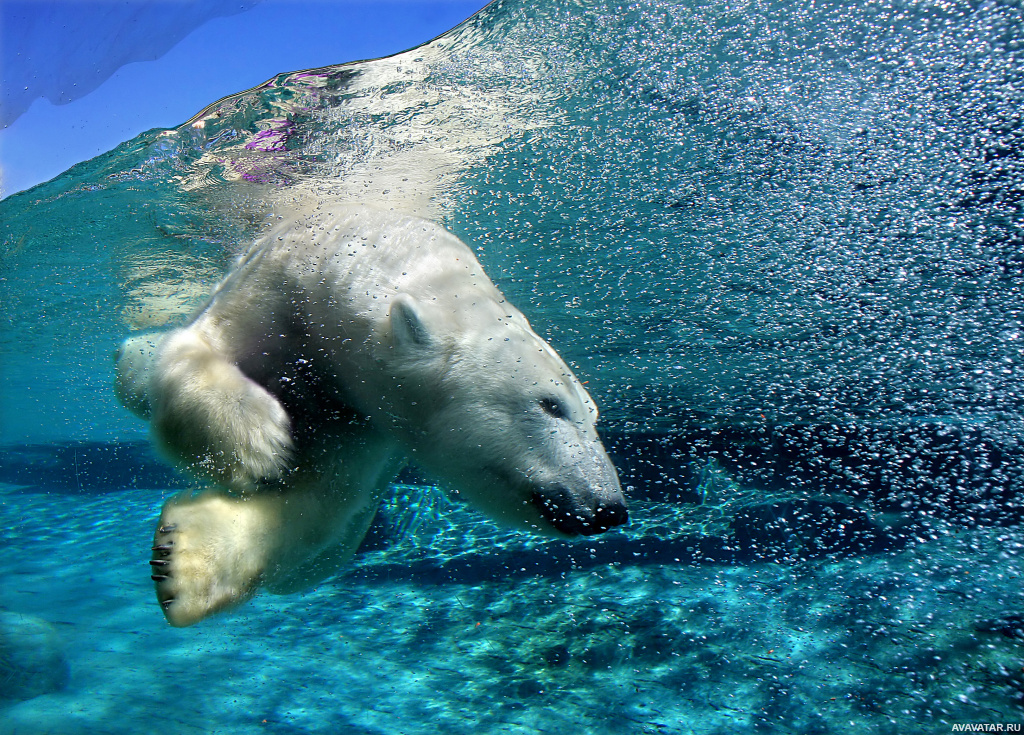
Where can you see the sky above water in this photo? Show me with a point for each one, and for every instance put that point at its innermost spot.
(81, 76)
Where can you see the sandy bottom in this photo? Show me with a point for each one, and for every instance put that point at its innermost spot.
(448, 625)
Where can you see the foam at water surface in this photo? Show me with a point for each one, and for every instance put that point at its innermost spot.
(726, 213)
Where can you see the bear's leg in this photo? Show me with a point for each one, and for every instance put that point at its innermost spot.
(212, 419)
(213, 550)
(348, 532)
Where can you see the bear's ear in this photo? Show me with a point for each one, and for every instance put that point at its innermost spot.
(407, 328)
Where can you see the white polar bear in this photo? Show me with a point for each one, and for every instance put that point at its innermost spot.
(344, 343)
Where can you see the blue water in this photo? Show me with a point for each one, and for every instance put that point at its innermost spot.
(783, 245)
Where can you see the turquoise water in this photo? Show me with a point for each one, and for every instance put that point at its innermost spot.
(783, 246)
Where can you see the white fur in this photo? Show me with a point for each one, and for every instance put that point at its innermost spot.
(345, 340)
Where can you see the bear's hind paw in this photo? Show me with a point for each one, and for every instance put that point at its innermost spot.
(198, 569)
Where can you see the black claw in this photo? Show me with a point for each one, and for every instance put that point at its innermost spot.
(167, 529)
(159, 562)
(158, 577)
(167, 603)
(162, 547)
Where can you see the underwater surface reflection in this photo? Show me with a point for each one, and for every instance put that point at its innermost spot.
(784, 246)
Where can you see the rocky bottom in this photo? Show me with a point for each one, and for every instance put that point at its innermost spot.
(447, 624)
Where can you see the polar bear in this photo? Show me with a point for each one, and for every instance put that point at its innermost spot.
(344, 343)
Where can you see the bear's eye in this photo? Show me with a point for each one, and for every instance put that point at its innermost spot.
(554, 408)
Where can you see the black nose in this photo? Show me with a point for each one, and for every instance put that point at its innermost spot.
(610, 516)
(560, 507)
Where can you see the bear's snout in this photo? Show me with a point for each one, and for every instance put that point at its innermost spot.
(571, 515)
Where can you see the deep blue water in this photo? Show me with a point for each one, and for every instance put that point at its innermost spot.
(783, 246)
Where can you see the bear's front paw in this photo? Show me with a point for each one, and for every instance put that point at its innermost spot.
(223, 426)
(256, 441)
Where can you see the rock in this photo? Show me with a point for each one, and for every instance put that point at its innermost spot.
(31, 657)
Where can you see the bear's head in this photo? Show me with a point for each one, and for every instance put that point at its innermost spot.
(488, 406)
